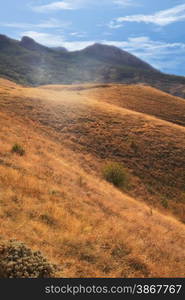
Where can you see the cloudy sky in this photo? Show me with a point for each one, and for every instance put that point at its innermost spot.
(152, 30)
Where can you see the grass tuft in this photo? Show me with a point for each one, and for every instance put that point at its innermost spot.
(18, 149)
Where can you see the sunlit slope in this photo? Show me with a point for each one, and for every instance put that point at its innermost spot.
(140, 98)
(152, 150)
(76, 219)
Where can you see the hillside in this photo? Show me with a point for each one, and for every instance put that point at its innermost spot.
(68, 134)
(143, 99)
(152, 149)
(29, 63)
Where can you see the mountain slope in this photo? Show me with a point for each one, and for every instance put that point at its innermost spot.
(144, 99)
(151, 149)
(47, 194)
(113, 54)
(30, 63)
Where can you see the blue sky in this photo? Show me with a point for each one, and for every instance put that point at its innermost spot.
(152, 30)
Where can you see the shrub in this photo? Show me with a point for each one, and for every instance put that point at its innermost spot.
(18, 149)
(164, 203)
(115, 174)
(18, 261)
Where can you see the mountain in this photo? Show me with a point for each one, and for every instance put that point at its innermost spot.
(117, 56)
(27, 62)
(59, 49)
(31, 45)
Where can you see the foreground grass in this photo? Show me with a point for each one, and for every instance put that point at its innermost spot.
(46, 198)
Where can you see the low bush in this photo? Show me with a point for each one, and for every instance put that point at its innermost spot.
(18, 261)
(18, 149)
(115, 174)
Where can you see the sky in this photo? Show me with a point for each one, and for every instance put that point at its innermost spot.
(153, 30)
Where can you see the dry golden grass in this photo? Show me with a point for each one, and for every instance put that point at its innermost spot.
(54, 200)
(144, 99)
(153, 150)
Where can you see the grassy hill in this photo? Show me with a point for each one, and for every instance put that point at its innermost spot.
(143, 99)
(68, 135)
(29, 63)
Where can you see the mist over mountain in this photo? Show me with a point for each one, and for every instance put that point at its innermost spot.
(29, 63)
(59, 49)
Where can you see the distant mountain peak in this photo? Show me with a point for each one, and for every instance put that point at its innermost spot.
(27, 39)
(3, 37)
(106, 51)
(5, 41)
(97, 45)
(31, 44)
(114, 54)
(100, 47)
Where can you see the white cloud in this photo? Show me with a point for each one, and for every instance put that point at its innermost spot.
(161, 18)
(161, 55)
(146, 45)
(78, 34)
(64, 5)
(78, 4)
(115, 25)
(48, 24)
(47, 39)
(125, 2)
(54, 40)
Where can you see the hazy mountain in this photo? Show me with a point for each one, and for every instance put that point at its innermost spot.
(30, 63)
(59, 49)
(30, 44)
(117, 56)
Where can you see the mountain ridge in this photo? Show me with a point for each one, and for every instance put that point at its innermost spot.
(30, 44)
(30, 63)
(113, 52)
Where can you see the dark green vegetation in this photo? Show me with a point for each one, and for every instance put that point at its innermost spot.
(30, 63)
(18, 261)
(18, 149)
(115, 174)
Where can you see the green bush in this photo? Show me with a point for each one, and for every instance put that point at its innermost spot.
(18, 149)
(18, 261)
(164, 203)
(115, 174)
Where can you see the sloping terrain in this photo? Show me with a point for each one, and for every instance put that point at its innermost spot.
(151, 149)
(29, 63)
(47, 194)
(144, 99)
